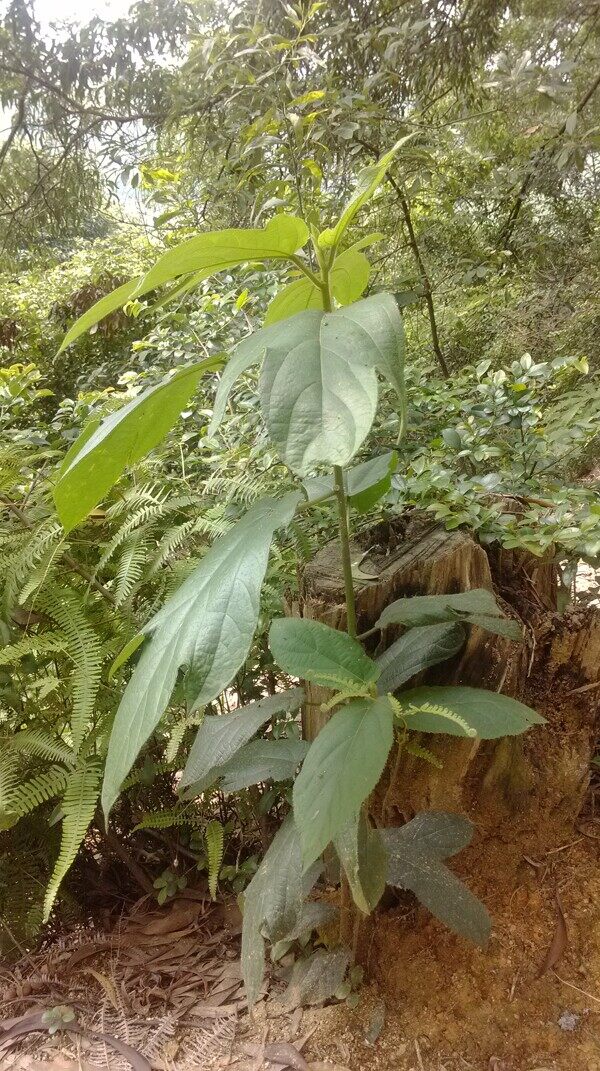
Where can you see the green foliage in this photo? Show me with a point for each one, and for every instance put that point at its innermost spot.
(207, 626)
(214, 852)
(105, 449)
(486, 237)
(341, 769)
(318, 653)
(415, 861)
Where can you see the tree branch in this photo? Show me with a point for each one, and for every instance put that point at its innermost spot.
(511, 220)
(422, 270)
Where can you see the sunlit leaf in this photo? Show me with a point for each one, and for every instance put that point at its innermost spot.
(97, 460)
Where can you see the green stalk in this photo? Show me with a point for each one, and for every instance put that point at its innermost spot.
(344, 536)
(342, 504)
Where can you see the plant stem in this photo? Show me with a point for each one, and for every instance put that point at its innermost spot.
(342, 503)
(344, 534)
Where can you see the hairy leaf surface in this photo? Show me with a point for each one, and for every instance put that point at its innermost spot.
(490, 714)
(416, 650)
(315, 652)
(220, 737)
(272, 904)
(342, 767)
(415, 861)
(207, 626)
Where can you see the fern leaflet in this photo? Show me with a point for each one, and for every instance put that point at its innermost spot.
(78, 804)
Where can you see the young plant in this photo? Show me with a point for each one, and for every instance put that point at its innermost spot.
(321, 354)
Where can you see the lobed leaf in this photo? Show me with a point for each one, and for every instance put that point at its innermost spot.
(415, 861)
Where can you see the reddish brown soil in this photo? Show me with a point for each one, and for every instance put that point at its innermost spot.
(452, 1006)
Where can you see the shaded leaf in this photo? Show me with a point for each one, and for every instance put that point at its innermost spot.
(221, 736)
(316, 978)
(370, 478)
(207, 626)
(315, 652)
(415, 862)
(341, 769)
(272, 904)
(364, 859)
(415, 651)
(261, 760)
(477, 607)
(490, 714)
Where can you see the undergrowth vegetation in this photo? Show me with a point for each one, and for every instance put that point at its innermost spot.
(176, 447)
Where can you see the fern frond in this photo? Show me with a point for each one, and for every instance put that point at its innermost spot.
(131, 567)
(215, 841)
(8, 782)
(42, 744)
(422, 753)
(45, 786)
(167, 819)
(79, 805)
(178, 733)
(46, 643)
(84, 648)
(33, 546)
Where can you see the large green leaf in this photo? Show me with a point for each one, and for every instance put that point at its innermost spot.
(315, 652)
(476, 607)
(489, 714)
(364, 859)
(110, 303)
(220, 737)
(251, 350)
(415, 861)
(216, 250)
(207, 626)
(261, 760)
(97, 459)
(272, 904)
(416, 650)
(204, 256)
(341, 769)
(319, 390)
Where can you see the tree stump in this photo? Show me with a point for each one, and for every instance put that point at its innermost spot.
(520, 776)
